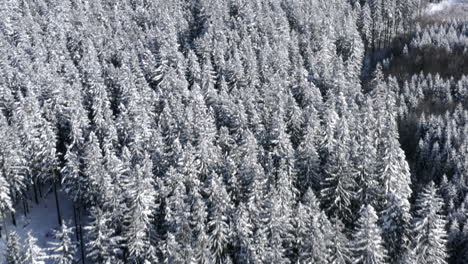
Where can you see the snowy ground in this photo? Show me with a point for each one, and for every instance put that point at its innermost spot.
(41, 221)
(448, 7)
(437, 7)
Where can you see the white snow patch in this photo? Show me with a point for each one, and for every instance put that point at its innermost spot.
(41, 221)
(441, 6)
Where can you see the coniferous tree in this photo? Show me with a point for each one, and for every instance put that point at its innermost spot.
(219, 211)
(311, 231)
(365, 24)
(172, 252)
(32, 253)
(140, 216)
(203, 252)
(114, 184)
(177, 222)
(277, 232)
(12, 166)
(249, 170)
(94, 174)
(364, 154)
(395, 223)
(339, 181)
(393, 169)
(308, 162)
(456, 242)
(243, 233)
(338, 244)
(367, 239)
(74, 183)
(103, 243)
(38, 139)
(63, 251)
(5, 199)
(13, 254)
(198, 217)
(430, 237)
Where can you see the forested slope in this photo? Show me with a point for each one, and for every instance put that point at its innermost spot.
(235, 131)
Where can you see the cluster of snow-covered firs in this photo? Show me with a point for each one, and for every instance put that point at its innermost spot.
(234, 131)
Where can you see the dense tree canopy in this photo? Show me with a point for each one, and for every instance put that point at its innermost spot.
(235, 131)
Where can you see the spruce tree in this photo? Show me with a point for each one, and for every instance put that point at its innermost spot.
(33, 254)
(243, 235)
(177, 223)
(338, 244)
(172, 251)
(429, 234)
(367, 239)
(219, 214)
(94, 172)
(5, 198)
(311, 229)
(277, 231)
(63, 251)
(13, 253)
(395, 222)
(103, 243)
(13, 167)
(393, 170)
(142, 195)
(308, 162)
(338, 185)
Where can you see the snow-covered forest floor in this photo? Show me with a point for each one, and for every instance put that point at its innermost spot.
(41, 221)
(448, 9)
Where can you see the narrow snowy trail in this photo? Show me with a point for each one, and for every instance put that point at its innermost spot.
(41, 221)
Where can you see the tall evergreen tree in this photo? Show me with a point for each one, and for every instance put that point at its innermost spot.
(177, 223)
(5, 199)
(338, 244)
(103, 243)
(95, 176)
(308, 162)
(33, 254)
(395, 223)
(13, 167)
(338, 185)
(367, 239)
(219, 215)
(430, 237)
(277, 232)
(142, 195)
(243, 232)
(63, 251)
(13, 253)
(311, 229)
(393, 169)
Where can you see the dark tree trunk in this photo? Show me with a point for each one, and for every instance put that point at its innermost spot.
(82, 246)
(81, 237)
(59, 215)
(13, 218)
(36, 199)
(25, 206)
(39, 187)
(5, 225)
(76, 222)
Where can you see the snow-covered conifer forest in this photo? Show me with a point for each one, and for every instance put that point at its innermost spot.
(233, 131)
